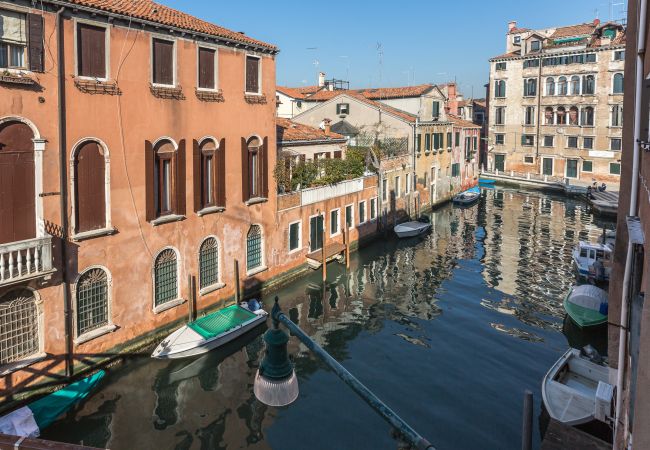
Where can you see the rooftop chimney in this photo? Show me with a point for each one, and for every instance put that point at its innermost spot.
(321, 79)
(328, 124)
(596, 22)
(512, 25)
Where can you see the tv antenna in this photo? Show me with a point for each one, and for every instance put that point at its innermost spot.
(380, 55)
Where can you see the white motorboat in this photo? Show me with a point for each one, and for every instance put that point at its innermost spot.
(608, 238)
(415, 228)
(210, 331)
(467, 198)
(576, 390)
(586, 254)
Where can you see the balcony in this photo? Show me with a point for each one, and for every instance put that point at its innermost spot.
(25, 260)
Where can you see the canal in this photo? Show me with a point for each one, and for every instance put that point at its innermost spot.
(449, 330)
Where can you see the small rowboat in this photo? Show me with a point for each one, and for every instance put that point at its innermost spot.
(576, 390)
(468, 197)
(210, 331)
(30, 420)
(415, 228)
(586, 305)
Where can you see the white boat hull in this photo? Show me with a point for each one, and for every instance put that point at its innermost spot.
(569, 388)
(411, 229)
(186, 342)
(466, 199)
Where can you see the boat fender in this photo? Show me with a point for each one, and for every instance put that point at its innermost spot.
(253, 305)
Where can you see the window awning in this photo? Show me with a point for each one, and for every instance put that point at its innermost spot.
(12, 27)
(569, 39)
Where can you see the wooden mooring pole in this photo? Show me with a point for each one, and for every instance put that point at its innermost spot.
(322, 250)
(191, 286)
(237, 292)
(346, 242)
(527, 425)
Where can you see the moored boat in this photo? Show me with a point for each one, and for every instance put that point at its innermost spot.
(30, 420)
(468, 197)
(576, 390)
(414, 228)
(586, 305)
(586, 254)
(210, 331)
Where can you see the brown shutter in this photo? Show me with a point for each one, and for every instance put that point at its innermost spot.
(163, 62)
(244, 171)
(90, 188)
(338, 154)
(303, 158)
(197, 179)
(252, 74)
(91, 51)
(206, 68)
(35, 26)
(221, 174)
(328, 155)
(265, 169)
(149, 180)
(181, 179)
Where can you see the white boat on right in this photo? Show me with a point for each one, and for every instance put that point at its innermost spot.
(414, 228)
(576, 390)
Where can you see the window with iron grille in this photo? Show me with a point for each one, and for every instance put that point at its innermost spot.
(92, 301)
(254, 248)
(19, 336)
(166, 277)
(209, 262)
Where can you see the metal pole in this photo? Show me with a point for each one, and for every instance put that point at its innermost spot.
(322, 250)
(527, 425)
(412, 436)
(237, 293)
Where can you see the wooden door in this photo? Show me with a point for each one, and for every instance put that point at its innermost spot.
(90, 195)
(315, 233)
(17, 191)
(547, 166)
(500, 162)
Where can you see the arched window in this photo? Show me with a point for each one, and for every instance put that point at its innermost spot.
(90, 188)
(530, 87)
(19, 326)
(588, 116)
(92, 301)
(165, 277)
(17, 186)
(617, 116)
(209, 263)
(617, 87)
(210, 164)
(573, 115)
(548, 115)
(574, 87)
(254, 248)
(588, 84)
(500, 88)
(165, 178)
(561, 115)
(562, 88)
(254, 169)
(550, 86)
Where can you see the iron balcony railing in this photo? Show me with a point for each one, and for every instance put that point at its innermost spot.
(25, 260)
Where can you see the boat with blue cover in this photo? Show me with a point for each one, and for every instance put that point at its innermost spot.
(468, 197)
(211, 331)
(30, 420)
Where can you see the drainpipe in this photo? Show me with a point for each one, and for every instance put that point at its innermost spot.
(63, 187)
(539, 113)
(622, 339)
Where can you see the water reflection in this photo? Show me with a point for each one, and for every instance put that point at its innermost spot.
(417, 320)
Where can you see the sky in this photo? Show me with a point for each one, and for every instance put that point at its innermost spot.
(391, 43)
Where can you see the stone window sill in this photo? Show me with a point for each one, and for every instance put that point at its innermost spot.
(210, 210)
(169, 305)
(167, 219)
(15, 366)
(93, 234)
(94, 334)
(252, 272)
(208, 289)
(256, 200)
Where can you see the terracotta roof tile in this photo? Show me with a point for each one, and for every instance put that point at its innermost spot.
(389, 109)
(395, 92)
(518, 30)
(507, 55)
(155, 12)
(288, 130)
(581, 29)
(298, 92)
(461, 122)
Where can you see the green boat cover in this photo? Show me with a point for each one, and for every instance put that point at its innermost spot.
(583, 317)
(49, 408)
(221, 321)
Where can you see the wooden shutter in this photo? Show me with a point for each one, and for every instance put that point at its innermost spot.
(163, 62)
(197, 179)
(244, 171)
(206, 68)
(149, 181)
(91, 51)
(303, 158)
(252, 74)
(339, 153)
(35, 27)
(220, 184)
(180, 179)
(90, 188)
(265, 168)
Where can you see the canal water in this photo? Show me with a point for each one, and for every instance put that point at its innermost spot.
(448, 329)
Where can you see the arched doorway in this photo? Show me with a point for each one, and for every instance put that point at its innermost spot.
(17, 192)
